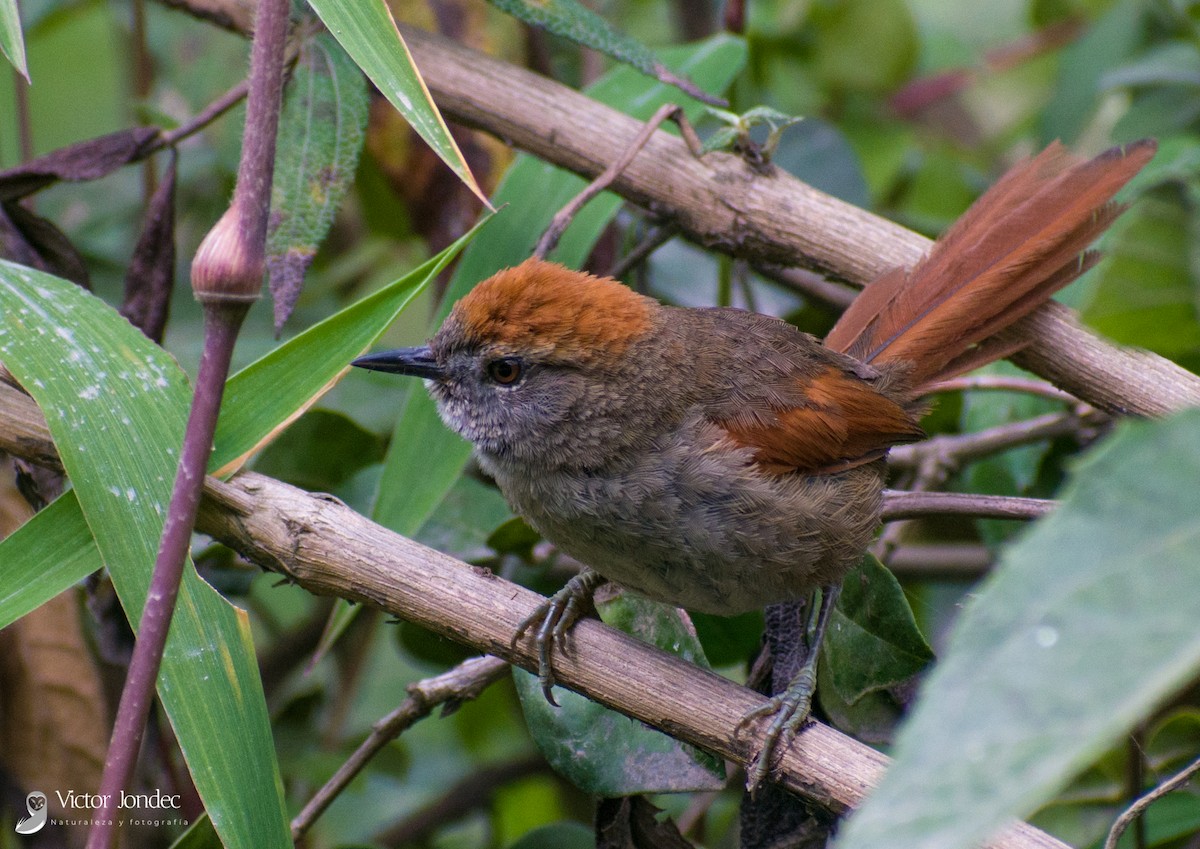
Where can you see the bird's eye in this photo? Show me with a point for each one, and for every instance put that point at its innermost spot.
(506, 371)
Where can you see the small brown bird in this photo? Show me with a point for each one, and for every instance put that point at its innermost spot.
(720, 460)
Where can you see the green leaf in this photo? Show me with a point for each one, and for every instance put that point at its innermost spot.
(462, 526)
(1087, 625)
(199, 835)
(865, 45)
(11, 42)
(116, 405)
(729, 640)
(1172, 62)
(1145, 291)
(873, 641)
(603, 752)
(321, 131)
(558, 835)
(576, 22)
(366, 30)
(44, 556)
(320, 451)
(1114, 35)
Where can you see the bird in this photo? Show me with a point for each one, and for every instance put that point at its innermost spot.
(720, 460)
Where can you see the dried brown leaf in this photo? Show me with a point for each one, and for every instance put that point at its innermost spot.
(150, 278)
(86, 160)
(53, 730)
(35, 241)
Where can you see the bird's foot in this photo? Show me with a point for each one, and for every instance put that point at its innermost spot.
(790, 710)
(553, 620)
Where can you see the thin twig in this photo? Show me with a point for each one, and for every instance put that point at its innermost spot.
(954, 561)
(949, 453)
(462, 683)
(204, 117)
(654, 240)
(563, 218)
(912, 505)
(810, 284)
(1138, 808)
(1002, 383)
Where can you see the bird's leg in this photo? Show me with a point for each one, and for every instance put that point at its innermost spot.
(791, 707)
(554, 618)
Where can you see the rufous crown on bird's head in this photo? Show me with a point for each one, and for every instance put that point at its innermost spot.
(547, 310)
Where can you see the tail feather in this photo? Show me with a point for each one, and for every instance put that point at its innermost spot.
(1021, 242)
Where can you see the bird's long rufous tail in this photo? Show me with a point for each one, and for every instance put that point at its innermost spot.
(1021, 242)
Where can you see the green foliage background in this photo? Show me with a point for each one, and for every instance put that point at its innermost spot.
(912, 108)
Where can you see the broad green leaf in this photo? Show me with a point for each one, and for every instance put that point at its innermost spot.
(1113, 36)
(464, 522)
(1086, 626)
(603, 752)
(321, 131)
(559, 835)
(1145, 290)
(367, 31)
(116, 405)
(872, 642)
(12, 44)
(55, 549)
(574, 21)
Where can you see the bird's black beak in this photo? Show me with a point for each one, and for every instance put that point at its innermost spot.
(415, 362)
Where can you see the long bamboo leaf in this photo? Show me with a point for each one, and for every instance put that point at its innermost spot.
(366, 29)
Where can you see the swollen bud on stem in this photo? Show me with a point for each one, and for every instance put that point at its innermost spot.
(229, 263)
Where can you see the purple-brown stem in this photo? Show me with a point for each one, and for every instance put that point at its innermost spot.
(226, 277)
(220, 330)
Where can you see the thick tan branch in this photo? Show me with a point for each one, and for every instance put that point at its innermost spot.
(330, 550)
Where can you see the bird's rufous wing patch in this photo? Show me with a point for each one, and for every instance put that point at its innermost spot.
(842, 423)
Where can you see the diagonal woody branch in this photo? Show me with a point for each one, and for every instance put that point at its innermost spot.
(329, 549)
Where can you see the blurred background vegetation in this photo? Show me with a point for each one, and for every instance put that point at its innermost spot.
(911, 108)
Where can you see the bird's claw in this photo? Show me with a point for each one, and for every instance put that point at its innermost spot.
(553, 619)
(790, 710)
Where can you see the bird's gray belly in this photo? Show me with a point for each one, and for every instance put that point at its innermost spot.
(702, 530)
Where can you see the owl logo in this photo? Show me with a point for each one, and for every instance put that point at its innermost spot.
(32, 824)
